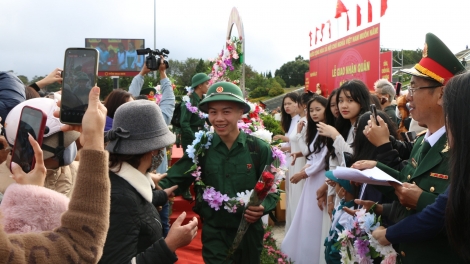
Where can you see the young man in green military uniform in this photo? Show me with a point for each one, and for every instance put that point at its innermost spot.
(425, 175)
(191, 122)
(230, 167)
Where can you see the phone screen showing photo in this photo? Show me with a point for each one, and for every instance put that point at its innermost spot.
(79, 77)
(30, 123)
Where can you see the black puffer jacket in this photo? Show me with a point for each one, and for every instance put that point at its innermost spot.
(11, 93)
(135, 228)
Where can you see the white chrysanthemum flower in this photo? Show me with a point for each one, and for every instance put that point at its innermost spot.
(244, 197)
(185, 98)
(263, 134)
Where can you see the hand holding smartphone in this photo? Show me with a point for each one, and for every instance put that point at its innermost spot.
(373, 110)
(79, 76)
(32, 122)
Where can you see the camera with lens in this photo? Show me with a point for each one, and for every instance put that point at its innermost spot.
(153, 62)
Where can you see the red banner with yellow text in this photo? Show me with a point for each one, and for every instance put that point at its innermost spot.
(356, 56)
(386, 65)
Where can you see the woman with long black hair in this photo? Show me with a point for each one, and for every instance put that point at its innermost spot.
(353, 100)
(303, 241)
(289, 120)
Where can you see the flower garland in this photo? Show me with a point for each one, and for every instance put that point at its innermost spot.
(214, 198)
(356, 243)
(229, 60)
(191, 108)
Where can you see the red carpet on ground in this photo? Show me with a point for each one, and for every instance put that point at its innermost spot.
(192, 253)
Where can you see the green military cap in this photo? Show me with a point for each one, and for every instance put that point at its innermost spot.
(82, 76)
(147, 91)
(224, 91)
(346, 184)
(438, 62)
(199, 78)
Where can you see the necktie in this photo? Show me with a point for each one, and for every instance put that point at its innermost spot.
(425, 147)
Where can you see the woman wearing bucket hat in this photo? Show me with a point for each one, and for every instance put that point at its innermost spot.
(191, 122)
(232, 164)
(135, 231)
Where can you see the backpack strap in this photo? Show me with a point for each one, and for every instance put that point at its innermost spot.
(254, 149)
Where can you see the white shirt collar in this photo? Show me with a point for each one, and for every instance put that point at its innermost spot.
(432, 139)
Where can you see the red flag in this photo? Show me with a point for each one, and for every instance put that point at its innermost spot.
(358, 17)
(340, 8)
(383, 8)
(329, 28)
(347, 21)
(369, 10)
(321, 31)
(316, 36)
(310, 35)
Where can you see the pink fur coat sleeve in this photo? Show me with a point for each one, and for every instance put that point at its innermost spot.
(31, 208)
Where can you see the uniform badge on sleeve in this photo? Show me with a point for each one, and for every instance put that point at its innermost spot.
(248, 166)
(440, 176)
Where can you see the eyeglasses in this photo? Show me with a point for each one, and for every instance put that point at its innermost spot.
(413, 90)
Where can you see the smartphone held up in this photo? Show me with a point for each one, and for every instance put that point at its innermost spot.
(32, 122)
(79, 76)
(373, 110)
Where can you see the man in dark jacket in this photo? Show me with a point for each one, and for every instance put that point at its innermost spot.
(11, 93)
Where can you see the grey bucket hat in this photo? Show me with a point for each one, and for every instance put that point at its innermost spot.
(138, 127)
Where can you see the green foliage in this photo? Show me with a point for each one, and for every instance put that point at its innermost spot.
(269, 75)
(258, 92)
(200, 67)
(183, 71)
(293, 72)
(409, 56)
(275, 91)
(271, 124)
(279, 80)
(53, 87)
(106, 86)
(24, 79)
(256, 80)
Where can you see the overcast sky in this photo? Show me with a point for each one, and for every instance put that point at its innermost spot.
(34, 34)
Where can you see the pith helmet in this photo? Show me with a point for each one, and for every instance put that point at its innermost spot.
(199, 78)
(224, 91)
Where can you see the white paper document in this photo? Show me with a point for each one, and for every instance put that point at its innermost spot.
(374, 176)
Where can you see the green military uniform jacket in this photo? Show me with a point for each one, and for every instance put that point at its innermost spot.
(431, 174)
(228, 171)
(190, 122)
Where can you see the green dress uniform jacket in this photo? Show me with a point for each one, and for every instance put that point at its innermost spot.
(431, 174)
(230, 172)
(190, 122)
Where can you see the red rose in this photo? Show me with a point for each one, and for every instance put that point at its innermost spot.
(259, 187)
(253, 115)
(262, 195)
(267, 177)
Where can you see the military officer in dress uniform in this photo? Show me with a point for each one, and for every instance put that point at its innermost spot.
(230, 167)
(425, 175)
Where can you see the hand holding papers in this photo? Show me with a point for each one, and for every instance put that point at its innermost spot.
(374, 176)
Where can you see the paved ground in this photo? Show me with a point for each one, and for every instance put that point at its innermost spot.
(279, 233)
